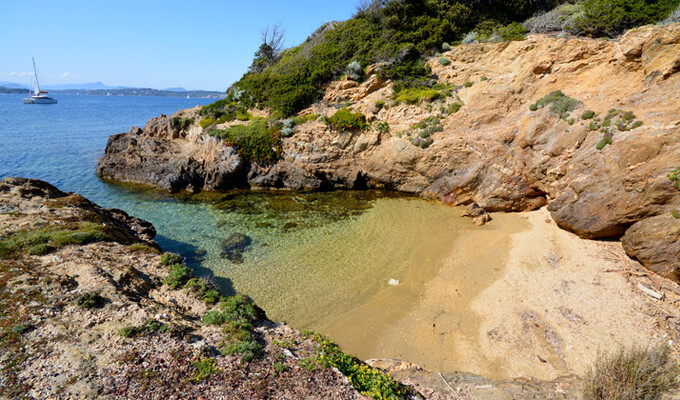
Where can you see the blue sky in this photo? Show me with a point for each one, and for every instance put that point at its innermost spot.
(147, 43)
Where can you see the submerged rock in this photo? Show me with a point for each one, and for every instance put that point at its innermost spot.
(234, 247)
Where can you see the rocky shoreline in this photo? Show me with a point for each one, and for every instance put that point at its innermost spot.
(98, 313)
(496, 151)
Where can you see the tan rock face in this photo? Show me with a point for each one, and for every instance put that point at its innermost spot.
(494, 151)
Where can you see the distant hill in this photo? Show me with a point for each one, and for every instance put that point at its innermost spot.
(12, 85)
(114, 91)
(175, 89)
(88, 86)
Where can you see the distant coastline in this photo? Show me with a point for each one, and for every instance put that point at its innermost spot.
(126, 92)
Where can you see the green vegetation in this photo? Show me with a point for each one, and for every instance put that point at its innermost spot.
(182, 123)
(675, 214)
(419, 94)
(394, 32)
(299, 120)
(368, 381)
(382, 127)
(205, 367)
(420, 133)
(606, 139)
(178, 277)
(258, 141)
(207, 122)
(201, 290)
(632, 374)
(89, 300)
(150, 326)
(355, 71)
(225, 110)
(170, 259)
(453, 108)
(238, 313)
(612, 17)
(51, 238)
(674, 176)
(344, 120)
(513, 31)
(22, 328)
(379, 104)
(587, 114)
(446, 47)
(559, 104)
(444, 61)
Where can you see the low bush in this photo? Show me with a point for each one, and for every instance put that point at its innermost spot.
(48, 239)
(444, 61)
(182, 123)
(89, 300)
(355, 71)
(344, 120)
(446, 47)
(606, 139)
(562, 17)
(149, 327)
(379, 104)
(612, 17)
(638, 373)
(513, 31)
(382, 127)
(224, 110)
(257, 142)
(23, 328)
(587, 114)
(205, 367)
(170, 259)
(299, 120)
(207, 122)
(559, 103)
(453, 108)
(369, 381)
(178, 277)
(674, 176)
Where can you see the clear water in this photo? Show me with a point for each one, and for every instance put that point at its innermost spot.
(312, 256)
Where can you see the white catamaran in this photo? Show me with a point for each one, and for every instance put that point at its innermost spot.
(39, 96)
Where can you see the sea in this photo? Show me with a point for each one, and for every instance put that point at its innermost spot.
(312, 257)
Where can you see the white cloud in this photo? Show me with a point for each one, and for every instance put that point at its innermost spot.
(69, 75)
(19, 74)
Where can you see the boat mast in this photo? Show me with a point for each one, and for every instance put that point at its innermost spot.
(35, 75)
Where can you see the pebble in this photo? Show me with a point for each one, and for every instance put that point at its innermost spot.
(393, 282)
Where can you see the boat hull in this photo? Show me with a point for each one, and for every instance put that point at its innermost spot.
(40, 101)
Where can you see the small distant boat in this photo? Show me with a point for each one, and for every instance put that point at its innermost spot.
(39, 96)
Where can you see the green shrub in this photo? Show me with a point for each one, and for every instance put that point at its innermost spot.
(467, 84)
(344, 120)
(675, 214)
(299, 120)
(205, 367)
(559, 104)
(89, 300)
(207, 122)
(637, 124)
(612, 17)
(182, 123)
(607, 139)
(674, 176)
(453, 108)
(632, 374)
(224, 110)
(214, 318)
(415, 95)
(128, 331)
(587, 114)
(512, 31)
(382, 127)
(179, 275)
(48, 239)
(257, 142)
(22, 328)
(211, 296)
(444, 61)
(355, 71)
(248, 350)
(170, 259)
(446, 47)
(368, 381)
(379, 104)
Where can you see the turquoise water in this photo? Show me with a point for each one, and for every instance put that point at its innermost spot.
(311, 256)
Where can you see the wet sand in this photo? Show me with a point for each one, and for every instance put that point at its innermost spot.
(517, 297)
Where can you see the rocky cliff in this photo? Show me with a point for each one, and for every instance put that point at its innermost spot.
(506, 148)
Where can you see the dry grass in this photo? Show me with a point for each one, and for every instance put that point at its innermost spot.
(631, 374)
